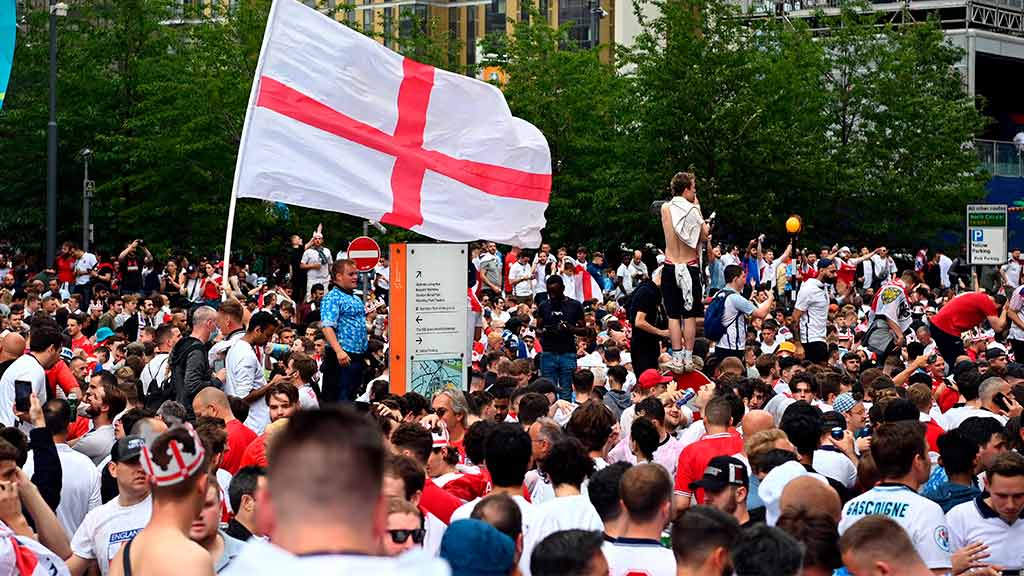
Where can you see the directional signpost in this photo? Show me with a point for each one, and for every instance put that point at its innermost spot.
(986, 234)
(428, 323)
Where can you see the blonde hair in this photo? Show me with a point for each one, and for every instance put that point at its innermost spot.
(762, 442)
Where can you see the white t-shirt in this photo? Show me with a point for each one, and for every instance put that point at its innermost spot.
(321, 275)
(631, 556)
(734, 319)
(435, 533)
(885, 268)
(922, 519)
(954, 417)
(517, 271)
(891, 302)
(1012, 271)
(526, 510)
(80, 487)
(944, 265)
(564, 513)
(813, 301)
(976, 521)
(244, 374)
(261, 558)
(540, 488)
(1017, 304)
(836, 466)
(155, 371)
(25, 368)
(107, 527)
(383, 276)
(307, 398)
(627, 281)
(82, 268)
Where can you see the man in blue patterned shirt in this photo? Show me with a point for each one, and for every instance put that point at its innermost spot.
(343, 320)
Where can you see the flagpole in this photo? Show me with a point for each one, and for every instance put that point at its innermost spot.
(253, 93)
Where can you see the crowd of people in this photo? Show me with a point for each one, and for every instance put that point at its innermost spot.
(700, 409)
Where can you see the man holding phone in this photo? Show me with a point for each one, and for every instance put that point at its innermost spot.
(28, 373)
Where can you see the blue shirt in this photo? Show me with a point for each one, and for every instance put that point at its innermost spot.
(347, 316)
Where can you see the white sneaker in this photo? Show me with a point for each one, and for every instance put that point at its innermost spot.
(677, 366)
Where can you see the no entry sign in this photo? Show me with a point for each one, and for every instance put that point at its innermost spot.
(365, 252)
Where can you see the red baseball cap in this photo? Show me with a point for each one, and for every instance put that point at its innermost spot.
(651, 378)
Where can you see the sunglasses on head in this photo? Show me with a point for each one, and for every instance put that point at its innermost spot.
(400, 536)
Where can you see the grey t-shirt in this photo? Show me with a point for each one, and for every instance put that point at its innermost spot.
(97, 443)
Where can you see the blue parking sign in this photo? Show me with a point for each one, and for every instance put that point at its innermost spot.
(977, 235)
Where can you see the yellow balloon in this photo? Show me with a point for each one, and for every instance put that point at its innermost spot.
(793, 224)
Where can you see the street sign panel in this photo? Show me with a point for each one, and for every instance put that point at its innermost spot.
(430, 307)
(365, 252)
(988, 243)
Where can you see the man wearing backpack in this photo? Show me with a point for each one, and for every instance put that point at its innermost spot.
(726, 317)
(190, 368)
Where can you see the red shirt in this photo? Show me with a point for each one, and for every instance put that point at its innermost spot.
(964, 312)
(78, 428)
(82, 343)
(65, 269)
(695, 457)
(470, 486)
(239, 438)
(932, 432)
(438, 502)
(60, 375)
(255, 453)
(846, 273)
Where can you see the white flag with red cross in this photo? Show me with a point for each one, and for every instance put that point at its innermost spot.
(338, 122)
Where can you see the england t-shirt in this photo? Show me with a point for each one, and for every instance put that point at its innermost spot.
(106, 528)
(1016, 304)
(891, 302)
(734, 319)
(307, 398)
(813, 301)
(922, 519)
(25, 368)
(82, 268)
(562, 513)
(518, 271)
(976, 521)
(635, 556)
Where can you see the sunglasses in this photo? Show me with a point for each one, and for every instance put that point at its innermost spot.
(400, 536)
(441, 412)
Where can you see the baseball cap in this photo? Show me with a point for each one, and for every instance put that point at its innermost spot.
(651, 378)
(103, 333)
(844, 403)
(787, 347)
(825, 263)
(66, 354)
(474, 547)
(993, 353)
(127, 448)
(183, 456)
(721, 472)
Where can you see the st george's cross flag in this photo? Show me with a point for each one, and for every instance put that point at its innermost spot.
(338, 122)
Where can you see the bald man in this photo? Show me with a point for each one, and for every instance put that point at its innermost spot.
(214, 402)
(755, 421)
(813, 495)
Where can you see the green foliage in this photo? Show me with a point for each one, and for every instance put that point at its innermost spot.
(860, 131)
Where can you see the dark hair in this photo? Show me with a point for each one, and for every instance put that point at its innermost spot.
(113, 397)
(408, 470)
(699, 531)
(262, 320)
(567, 462)
(643, 432)
(508, 450)
(817, 532)
(531, 407)
(43, 338)
(806, 377)
(283, 389)
(762, 550)
(239, 408)
(132, 417)
(13, 445)
(1008, 464)
(305, 366)
(583, 381)
(652, 408)
(603, 490)
(57, 413)
(324, 463)
(732, 272)
(894, 446)
(502, 512)
(475, 440)
(765, 462)
(477, 401)
(981, 429)
(803, 424)
(619, 373)
(244, 483)
(416, 403)
(718, 411)
(957, 452)
(415, 438)
(645, 489)
(565, 553)
(592, 424)
(900, 409)
(212, 432)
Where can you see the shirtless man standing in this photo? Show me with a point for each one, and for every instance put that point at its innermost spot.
(176, 465)
(681, 287)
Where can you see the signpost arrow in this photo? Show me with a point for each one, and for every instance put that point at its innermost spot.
(419, 340)
(419, 319)
(419, 273)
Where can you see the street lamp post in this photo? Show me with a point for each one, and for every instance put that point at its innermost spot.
(56, 9)
(87, 189)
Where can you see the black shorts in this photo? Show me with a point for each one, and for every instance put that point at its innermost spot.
(672, 294)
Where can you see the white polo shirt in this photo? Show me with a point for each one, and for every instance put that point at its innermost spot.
(628, 556)
(922, 519)
(976, 521)
(813, 301)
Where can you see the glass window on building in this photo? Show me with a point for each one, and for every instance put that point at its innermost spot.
(453, 36)
(471, 36)
(524, 10)
(495, 17)
(388, 26)
(577, 12)
(368, 20)
(544, 7)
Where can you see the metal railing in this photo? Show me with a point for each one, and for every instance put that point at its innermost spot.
(1000, 158)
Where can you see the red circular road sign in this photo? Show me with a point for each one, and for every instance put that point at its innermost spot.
(365, 252)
